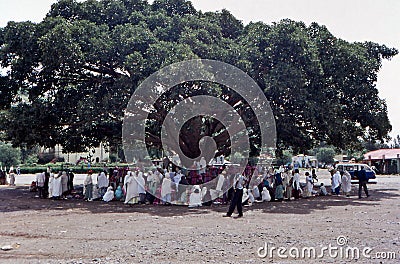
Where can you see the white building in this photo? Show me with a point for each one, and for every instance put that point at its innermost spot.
(97, 155)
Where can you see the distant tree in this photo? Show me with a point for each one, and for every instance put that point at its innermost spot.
(9, 156)
(325, 155)
(285, 158)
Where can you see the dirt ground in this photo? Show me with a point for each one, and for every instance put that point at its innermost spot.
(74, 231)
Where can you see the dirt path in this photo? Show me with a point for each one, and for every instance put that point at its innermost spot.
(74, 231)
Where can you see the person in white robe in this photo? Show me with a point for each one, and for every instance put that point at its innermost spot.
(266, 197)
(109, 195)
(131, 187)
(256, 192)
(141, 188)
(166, 189)
(218, 192)
(51, 184)
(346, 183)
(153, 180)
(64, 183)
(57, 186)
(322, 190)
(177, 179)
(309, 185)
(11, 174)
(220, 184)
(195, 197)
(102, 183)
(336, 181)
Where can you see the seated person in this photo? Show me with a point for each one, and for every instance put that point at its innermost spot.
(322, 190)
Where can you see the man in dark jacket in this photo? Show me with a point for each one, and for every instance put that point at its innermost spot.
(362, 182)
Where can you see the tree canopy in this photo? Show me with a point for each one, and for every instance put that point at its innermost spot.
(69, 78)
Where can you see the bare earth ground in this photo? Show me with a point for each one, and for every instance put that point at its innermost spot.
(73, 231)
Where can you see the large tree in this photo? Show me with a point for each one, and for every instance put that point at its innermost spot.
(70, 77)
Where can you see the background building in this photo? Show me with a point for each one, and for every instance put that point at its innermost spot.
(386, 161)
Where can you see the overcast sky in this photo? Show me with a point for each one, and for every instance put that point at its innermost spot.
(352, 20)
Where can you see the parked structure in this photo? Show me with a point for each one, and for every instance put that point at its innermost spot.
(385, 161)
(304, 161)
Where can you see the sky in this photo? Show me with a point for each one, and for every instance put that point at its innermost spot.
(351, 20)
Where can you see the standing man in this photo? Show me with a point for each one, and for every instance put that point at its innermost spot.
(296, 184)
(40, 178)
(362, 182)
(237, 196)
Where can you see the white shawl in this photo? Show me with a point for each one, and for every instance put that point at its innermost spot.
(131, 186)
(141, 183)
(166, 186)
(109, 195)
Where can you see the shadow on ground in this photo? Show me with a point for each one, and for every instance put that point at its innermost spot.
(20, 199)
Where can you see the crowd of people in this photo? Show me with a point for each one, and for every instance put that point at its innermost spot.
(10, 178)
(168, 186)
(51, 185)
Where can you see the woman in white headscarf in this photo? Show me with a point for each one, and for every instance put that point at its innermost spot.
(153, 180)
(109, 195)
(131, 187)
(64, 183)
(346, 183)
(102, 183)
(166, 189)
(177, 179)
(12, 176)
(195, 197)
(57, 186)
(266, 197)
(141, 188)
(309, 185)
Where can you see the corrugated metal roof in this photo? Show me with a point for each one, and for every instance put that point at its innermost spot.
(382, 153)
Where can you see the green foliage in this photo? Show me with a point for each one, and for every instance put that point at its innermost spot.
(9, 156)
(71, 76)
(325, 155)
(56, 169)
(285, 157)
